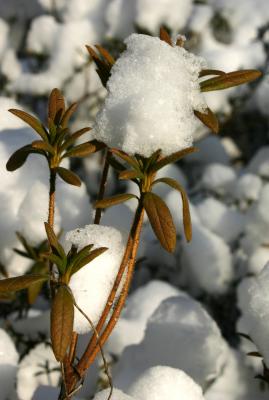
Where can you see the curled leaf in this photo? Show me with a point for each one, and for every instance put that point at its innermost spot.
(21, 282)
(68, 176)
(32, 122)
(229, 80)
(161, 221)
(62, 320)
(112, 201)
(209, 119)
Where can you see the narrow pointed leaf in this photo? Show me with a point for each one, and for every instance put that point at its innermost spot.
(34, 290)
(125, 157)
(53, 241)
(173, 158)
(29, 249)
(18, 158)
(62, 320)
(209, 119)
(206, 72)
(20, 282)
(254, 354)
(245, 336)
(161, 221)
(68, 114)
(45, 146)
(107, 56)
(229, 80)
(81, 254)
(165, 37)
(72, 138)
(116, 164)
(86, 260)
(68, 176)
(185, 204)
(31, 121)
(56, 106)
(82, 150)
(57, 261)
(112, 201)
(130, 174)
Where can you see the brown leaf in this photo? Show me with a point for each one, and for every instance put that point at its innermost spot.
(87, 259)
(53, 240)
(73, 137)
(206, 72)
(173, 158)
(165, 37)
(112, 201)
(209, 119)
(68, 114)
(18, 158)
(161, 221)
(41, 145)
(68, 176)
(35, 288)
(21, 282)
(32, 122)
(229, 80)
(130, 174)
(107, 56)
(62, 320)
(56, 106)
(103, 69)
(125, 157)
(185, 204)
(82, 150)
(254, 354)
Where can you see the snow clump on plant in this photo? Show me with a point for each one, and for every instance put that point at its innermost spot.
(92, 284)
(152, 94)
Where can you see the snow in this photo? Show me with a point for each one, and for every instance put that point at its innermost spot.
(160, 382)
(129, 118)
(117, 395)
(8, 364)
(218, 177)
(259, 163)
(179, 334)
(258, 259)
(248, 187)
(92, 284)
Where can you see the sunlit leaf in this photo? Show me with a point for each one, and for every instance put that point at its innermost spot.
(107, 56)
(112, 201)
(130, 174)
(20, 282)
(229, 80)
(68, 114)
(185, 204)
(56, 106)
(62, 319)
(206, 72)
(18, 158)
(165, 37)
(53, 241)
(68, 176)
(87, 259)
(81, 150)
(173, 158)
(125, 157)
(40, 145)
(161, 221)
(31, 121)
(72, 138)
(209, 119)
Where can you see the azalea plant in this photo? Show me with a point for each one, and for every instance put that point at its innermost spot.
(154, 104)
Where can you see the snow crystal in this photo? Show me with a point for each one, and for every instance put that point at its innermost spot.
(158, 383)
(207, 261)
(92, 284)
(179, 334)
(8, 365)
(144, 85)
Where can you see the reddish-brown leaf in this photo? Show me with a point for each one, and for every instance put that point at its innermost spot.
(165, 37)
(68, 176)
(32, 122)
(20, 282)
(81, 150)
(56, 106)
(229, 80)
(112, 201)
(68, 114)
(209, 119)
(107, 56)
(172, 158)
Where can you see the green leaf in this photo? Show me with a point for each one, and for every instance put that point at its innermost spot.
(72, 138)
(78, 256)
(172, 158)
(35, 289)
(209, 119)
(206, 72)
(82, 150)
(32, 122)
(18, 158)
(62, 320)
(68, 176)
(165, 37)
(53, 241)
(229, 80)
(56, 106)
(116, 164)
(161, 221)
(130, 174)
(68, 114)
(45, 146)
(86, 260)
(185, 204)
(112, 201)
(60, 262)
(125, 157)
(21, 282)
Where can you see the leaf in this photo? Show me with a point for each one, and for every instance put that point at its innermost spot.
(45, 146)
(29, 249)
(86, 260)
(103, 69)
(229, 80)
(82, 150)
(254, 354)
(108, 57)
(62, 320)
(206, 72)
(18, 158)
(112, 201)
(35, 289)
(72, 138)
(173, 158)
(21, 282)
(61, 263)
(165, 37)
(32, 122)
(68, 176)
(56, 106)
(185, 204)
(245, 336)
(116, 164)
(53, 241)
(209, 119)
(161, 221)
(68, 114)
(130, 174)
(125, 157)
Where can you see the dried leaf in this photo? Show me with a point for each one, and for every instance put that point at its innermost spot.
(107, 56)
(18, 158)
(130, 174)
(32, 122)
(68, 114)
(45, 146)
(173, 158)
(185, 204)
(229, 80)
(53, 241)
(209, 119)
(62, 320)
(56, 106)
(68, 176)
(206, 72)
(112, 201)
(21, 282)
(161, 221)
(165, 37)
(87, 259)
(82, 150)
